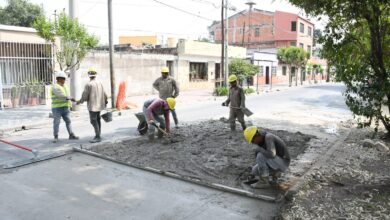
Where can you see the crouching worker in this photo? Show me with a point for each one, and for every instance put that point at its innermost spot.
(153, 110)
(272, 156)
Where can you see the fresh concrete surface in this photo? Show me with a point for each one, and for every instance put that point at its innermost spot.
(310, 109)
(79, 186)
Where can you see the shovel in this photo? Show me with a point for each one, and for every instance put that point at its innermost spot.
(246, 111)
(160, 129)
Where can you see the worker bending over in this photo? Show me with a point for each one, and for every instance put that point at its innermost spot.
(272, 156)
(153, 110)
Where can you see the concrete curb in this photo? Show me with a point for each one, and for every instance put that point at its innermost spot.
(292, 191)
(183, 178)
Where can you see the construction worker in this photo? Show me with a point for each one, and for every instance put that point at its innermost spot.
(60, 105)
(96, 98)
(167, 88)
(153, 109)
(236, 99)
(272, 156)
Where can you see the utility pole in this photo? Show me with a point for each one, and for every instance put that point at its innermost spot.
(111, 46)
(250, 3)
(74, 75)
(222, 67)
(226, 44)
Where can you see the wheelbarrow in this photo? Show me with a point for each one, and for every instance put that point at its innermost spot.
(143, 124)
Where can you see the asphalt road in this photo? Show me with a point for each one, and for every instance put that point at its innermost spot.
(81, 187)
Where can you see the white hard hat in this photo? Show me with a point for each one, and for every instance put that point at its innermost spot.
(61, 74)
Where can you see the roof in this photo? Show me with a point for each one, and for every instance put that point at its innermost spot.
(17, 28)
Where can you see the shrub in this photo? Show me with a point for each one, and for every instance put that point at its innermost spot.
(221, 91)
(248, 90)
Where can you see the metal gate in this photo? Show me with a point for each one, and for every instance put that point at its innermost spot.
(25, 70)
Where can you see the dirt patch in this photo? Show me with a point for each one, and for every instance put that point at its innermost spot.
(354, 184)
(206, 150)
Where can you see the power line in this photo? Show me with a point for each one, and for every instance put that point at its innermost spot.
(184, 11)
(149, 31)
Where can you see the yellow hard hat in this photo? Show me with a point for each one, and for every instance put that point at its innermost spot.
(92, 71)
(249, 133)
(171, 103)
(232, 78)
(164, 69)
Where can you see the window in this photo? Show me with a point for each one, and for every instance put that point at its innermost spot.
(284, 70)
(293, 26)
(293, 43)
(257, 32)
(301, 45)
(309, 49)
(301, 27)
(309, 31)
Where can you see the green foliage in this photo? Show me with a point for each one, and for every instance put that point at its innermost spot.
(74, 39)
(20, 13)
(293, 57)
(242, 69)
(248, 90)
(222, 91)
(357, 44)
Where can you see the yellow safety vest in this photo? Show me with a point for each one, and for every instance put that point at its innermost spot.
(60, 102)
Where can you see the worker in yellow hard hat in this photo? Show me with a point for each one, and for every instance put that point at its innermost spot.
(96, 99)
(236, 99)
(272, 156)
(153, 110)
(167, 87)
(60, 105)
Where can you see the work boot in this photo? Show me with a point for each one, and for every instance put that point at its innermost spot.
(55, 140)
(232, 128)
(73, 137)
(263, 183)
(176, 122)
(96, 139)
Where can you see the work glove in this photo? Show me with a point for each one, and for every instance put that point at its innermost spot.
(223, 103)
(151, 121)
(78, 102)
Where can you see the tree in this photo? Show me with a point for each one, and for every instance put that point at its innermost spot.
(357, 44)
(294, 57)
(75, 41)
(20, 13)
(242, 69)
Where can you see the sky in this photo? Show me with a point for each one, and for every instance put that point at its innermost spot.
(186, 19)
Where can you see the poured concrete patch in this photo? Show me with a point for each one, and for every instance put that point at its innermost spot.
(206, 150)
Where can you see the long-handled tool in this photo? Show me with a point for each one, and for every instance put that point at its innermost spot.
(246, 111)
(33, 151)
(35, 159)
(160, 129)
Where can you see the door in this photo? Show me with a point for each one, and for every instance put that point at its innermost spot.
(267, 75)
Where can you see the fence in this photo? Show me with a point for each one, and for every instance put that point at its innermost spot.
(25, 68)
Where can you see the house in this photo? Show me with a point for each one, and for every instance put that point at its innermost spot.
(257, 29)
(194, 65)
(26, 65)
(262, 33)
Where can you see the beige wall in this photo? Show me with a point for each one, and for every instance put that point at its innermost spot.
(19, 34)
(138, 70)
(208, 49)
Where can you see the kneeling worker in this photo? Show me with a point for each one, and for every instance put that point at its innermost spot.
(155, 108)
(272, 156)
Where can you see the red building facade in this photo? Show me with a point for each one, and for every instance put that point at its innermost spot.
(258, 29)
